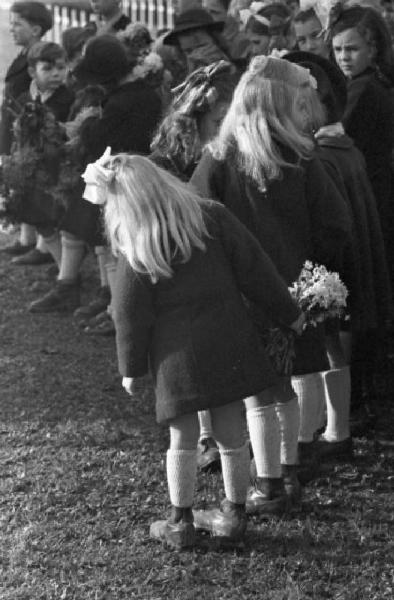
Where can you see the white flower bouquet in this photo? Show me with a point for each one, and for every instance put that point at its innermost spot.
(321, 295)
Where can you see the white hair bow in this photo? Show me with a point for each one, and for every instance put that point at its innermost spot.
(253, 11)
(97, 177)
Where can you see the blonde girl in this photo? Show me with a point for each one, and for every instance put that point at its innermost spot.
(183, 264)
(262, 167)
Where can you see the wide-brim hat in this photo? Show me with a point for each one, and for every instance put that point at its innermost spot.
(104, 61)
(189, 20)
(336, 79)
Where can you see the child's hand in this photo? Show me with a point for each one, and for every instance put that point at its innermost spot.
(299, 325)
(131, 385)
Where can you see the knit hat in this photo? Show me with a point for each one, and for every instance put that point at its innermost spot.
(331, 83)
(104, 62)
(189, 20)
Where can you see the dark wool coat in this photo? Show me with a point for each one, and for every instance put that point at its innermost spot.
(130, 115)
(193, 329)
(366, 271)
(17, 81)
(369, 121)
(300, 217)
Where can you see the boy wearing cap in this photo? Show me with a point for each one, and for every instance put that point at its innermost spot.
(29, 21)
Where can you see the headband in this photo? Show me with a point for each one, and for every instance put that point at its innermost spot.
(97, 177)
(198, 91)
(253, 11)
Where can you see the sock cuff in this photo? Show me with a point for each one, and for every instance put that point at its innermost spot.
(234, 451)
(258, 411)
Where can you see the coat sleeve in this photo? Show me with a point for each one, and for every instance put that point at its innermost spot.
(204, 179)
(331, 221)
(134, 318)
(255, 273)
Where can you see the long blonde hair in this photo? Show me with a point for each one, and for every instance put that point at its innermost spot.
(263, 116)
(151, 216)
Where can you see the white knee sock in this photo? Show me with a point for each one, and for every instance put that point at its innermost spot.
(73, 253)
(53, 246)
(264, 433)
(181, 476)
(235, 470)
(27, 234)
(337, 387)
(101, 253)
(289, 423)
(310, 392)
(41, 244)
(205, 421)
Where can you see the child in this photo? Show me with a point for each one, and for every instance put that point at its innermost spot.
(29, 21)
(262, 167)
(309, 33)
(364, 270)
(48, 99)
(193, 119)
(362, 49)
(183, 264)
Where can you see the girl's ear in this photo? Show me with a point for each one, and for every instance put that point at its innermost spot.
(37, 32)
(31, 71)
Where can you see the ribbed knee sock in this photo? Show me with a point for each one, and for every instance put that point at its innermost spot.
(181, 476)
(337, 391)
(310, 392)
(73, 253)
(110, 267)
(235, 470)
(264, 433)
(205, 421)
(289, 423)
(27, 234)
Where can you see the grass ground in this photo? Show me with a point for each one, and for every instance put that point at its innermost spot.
(82, 476)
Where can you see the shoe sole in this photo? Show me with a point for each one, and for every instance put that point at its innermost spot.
(270, 507)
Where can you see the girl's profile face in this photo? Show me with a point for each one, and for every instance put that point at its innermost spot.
(352, 52)
(258, 43)
(209, 122)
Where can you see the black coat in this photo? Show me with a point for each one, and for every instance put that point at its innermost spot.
(369, 121)
(366, 271)
(300, 217)
(193, 329)
(130, 115)
(17, 81)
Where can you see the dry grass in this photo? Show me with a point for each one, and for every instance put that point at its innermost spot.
(82, 476)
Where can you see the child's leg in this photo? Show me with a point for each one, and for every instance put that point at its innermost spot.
(268, 494)
(27, 235)
(229, 430)
(73, 253)
(101, 253)
(65, 296)
(208, 454)
(110, 267)
(102, 299)
(178, 530)
(229, 521)
(50, 242)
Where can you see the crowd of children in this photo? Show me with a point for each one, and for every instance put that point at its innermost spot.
(203, 169)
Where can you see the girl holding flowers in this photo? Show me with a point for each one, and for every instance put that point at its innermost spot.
(183, 264)
(262, 167)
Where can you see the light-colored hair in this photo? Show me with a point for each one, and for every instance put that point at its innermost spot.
(151, 216)
(262, 116)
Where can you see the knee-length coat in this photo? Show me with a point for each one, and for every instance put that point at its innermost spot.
(299, 217)
(193, 329)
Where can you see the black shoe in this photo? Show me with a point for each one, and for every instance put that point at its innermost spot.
(335, 450)
(267, 497)
(95, 306)
(292, 484)
(33, 257)
(64, 297)
(17, 249)
(227, 523)
(208, 456)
